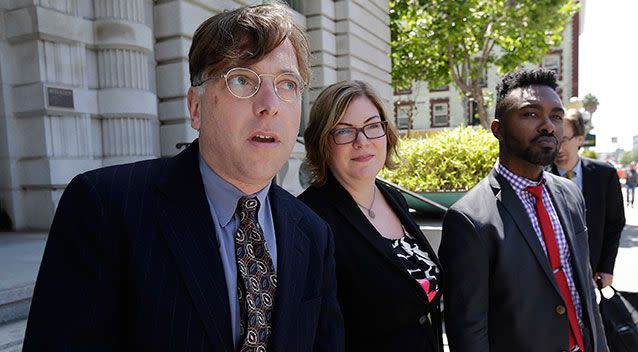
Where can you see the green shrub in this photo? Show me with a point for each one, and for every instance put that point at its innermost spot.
(451, 160)
(589, 153)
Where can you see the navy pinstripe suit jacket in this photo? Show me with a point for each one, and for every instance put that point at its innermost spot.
(132, 263)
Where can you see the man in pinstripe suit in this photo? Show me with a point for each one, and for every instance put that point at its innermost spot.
(145, 256)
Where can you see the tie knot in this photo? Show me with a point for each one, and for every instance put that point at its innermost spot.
(570, 174)
(248, 206)
(536, 191)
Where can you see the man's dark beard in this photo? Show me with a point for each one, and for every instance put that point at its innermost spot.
(543, 157)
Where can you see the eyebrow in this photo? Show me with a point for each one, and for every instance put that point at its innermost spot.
(364, 122)
(539, 106)
(252, 67)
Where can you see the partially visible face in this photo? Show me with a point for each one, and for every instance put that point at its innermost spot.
(362, 159)
(568, 153)
(247, 141)
(533, 125)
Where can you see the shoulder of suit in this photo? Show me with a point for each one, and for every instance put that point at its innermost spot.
(474, 198)
(390, 190)
(597, 165)
(311, 195)
(117, 175)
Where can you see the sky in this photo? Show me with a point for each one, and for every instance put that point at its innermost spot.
(609, 70)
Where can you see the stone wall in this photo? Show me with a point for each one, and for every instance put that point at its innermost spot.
(92, 83)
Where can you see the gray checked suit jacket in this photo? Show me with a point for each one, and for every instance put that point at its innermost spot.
(500, 293)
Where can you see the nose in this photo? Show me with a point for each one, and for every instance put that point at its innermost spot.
(548, 125)
(266, 102)
(360, 139)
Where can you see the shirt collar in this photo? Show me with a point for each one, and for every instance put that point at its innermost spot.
(577, 168)
(518, 183)
(223, 196)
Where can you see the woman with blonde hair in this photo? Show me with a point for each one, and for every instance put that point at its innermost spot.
(388, 276)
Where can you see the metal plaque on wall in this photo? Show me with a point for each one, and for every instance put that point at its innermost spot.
(60, 98)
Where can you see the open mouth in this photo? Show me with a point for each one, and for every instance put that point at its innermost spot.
(260, 138)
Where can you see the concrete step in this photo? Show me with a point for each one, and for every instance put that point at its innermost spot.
(14, 303)
(12, 335)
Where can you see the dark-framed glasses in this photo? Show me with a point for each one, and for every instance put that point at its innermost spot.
(347, 135)
(243, 83)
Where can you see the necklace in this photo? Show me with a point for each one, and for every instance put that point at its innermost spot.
(370, 211)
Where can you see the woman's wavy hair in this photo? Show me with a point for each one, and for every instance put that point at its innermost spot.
(326, 113)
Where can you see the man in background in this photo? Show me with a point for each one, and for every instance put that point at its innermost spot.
(598, 181)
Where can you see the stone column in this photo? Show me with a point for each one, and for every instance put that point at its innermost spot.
(48, 105)
(363, 44)
(126, 98)
(175, 23)
(77, 94)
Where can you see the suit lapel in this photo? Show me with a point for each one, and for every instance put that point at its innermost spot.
(292, 261)
(410, 225)
(588, 181)
(513, 206)
(185, 222)
(561, 205)
(349, 210)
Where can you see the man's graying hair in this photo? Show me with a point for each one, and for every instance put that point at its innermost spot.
(243, 37)
(519, 79)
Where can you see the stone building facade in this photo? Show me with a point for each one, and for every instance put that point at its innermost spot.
(91, 83)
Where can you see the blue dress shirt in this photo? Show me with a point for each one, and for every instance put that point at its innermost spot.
(222, 199)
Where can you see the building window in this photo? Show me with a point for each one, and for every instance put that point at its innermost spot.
(473, 115)
(553, 61)
(402, 111)
(483, 79)
(440, 112)
(403, 91)
(294, 4)
(444, 88)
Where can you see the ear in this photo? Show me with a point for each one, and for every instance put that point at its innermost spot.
(580, 140)
(194, 101)
(497, 129)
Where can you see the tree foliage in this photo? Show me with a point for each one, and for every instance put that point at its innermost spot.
(628, 157)
(590, 103)
(456, 41)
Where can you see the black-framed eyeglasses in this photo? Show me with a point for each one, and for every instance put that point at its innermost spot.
(347, 135)
(244, 83)
(567, 139)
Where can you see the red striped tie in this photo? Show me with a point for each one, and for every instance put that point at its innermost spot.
(554, 260)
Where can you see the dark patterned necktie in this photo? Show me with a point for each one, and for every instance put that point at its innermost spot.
(256, 279)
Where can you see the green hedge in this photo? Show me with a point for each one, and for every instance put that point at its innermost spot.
(452, 160)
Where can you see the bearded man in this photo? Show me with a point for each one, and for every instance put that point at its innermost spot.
(514, 248)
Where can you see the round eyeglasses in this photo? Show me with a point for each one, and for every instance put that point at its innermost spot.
(243, 83)
(347, 135)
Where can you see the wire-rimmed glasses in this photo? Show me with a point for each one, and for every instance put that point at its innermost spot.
(244, 83)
